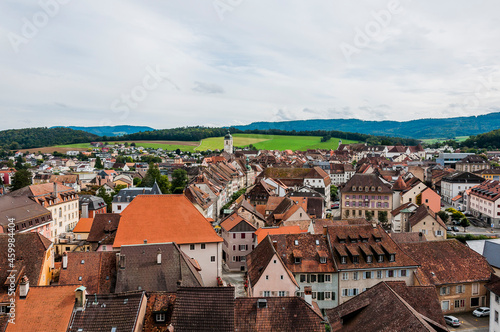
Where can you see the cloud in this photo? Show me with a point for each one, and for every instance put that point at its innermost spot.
(253, 65)
(207, 88)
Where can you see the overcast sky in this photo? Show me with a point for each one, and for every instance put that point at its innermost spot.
(174, 63)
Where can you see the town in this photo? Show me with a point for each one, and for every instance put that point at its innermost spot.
(356, 237)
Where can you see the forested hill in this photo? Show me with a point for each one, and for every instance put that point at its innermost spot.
(489, 140)
(419, 129)
(112, 131)
(28, 138)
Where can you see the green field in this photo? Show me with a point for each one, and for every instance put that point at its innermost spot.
(439, 140)
(273, 142)
(261, 142)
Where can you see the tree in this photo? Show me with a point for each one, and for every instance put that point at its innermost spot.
(107, 198)
(382, 218)
(118, 188)
(178, 151)
(334, 193)
(464, 223)
(137, 181)
(179, 180)
(19, 163)
(21, 179)
(98, 163)
(444, 216)
(369, 215)
(153, 174)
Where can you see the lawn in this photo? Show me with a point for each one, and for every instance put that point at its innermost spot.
(436, 140)
(273, 142)
(165, 145)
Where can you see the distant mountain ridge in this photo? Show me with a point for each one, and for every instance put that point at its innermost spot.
(112, 131)
(419, 129)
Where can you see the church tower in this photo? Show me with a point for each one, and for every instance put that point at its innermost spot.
(228, 143)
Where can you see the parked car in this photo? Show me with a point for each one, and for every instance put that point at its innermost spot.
(452, 320)
(481, 311)
(449, 229)
(455, 229)
(335, 205)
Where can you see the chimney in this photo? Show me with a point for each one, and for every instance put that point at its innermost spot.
(121, 264)
(65, 260)
(145, 241)
(24, 287)
(55, 190)
(158, 256)
(80, 297)
(85, 210)
(308, 294)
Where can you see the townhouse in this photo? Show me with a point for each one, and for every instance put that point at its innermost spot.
(458, 273)
(364, 255)
(456, 183)
(239, 240)
(484, 202)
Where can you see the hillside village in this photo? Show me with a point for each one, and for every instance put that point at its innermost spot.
(124, 238)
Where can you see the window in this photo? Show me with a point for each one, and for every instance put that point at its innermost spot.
(475, 289)
(444, 291)
(297, 260)
(302, 278)
(328, 278)
(267, 293)
(119, 207)
(243, 235)
(497, 299)
(322, 260)
(369, 258)
(390, 273)
(345, 292)
(355, 259)
(320, 296)
(313, 278)
(281, 277)
(459, 303)
(355, 276)
(345, 276)
(321, 278)
(445, 305)
(460, 289)
(474, 302)
(379, 275)
(234, 235)
(160, 317)
(203, 246)
(191, 247)
(281, 293)
(267, 277)
(274, 261)
(343, 259)
(367, 275)
(402, 273)
(380, 258)
(243, 247)
(496, 316)
(212, 258)
(328, 295)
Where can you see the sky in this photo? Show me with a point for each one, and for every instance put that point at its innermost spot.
(167, 64)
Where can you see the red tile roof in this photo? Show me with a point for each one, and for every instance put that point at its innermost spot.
(163, 218)
(447, 262)
(33, 314)
(83, 226)
(261, 233)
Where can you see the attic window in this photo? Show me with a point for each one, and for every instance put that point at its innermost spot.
(160, 317)
(353, 188)
(82, 262)
(296, 242)
(379, 188)
(369, 258)
(355, 259)
(343, 259)
(360, 188)
(392, 258)
(366, 188)
(380, 258)
(297, 260)
(79, 278)
(322, 260)
(373, 188)
(317, 242)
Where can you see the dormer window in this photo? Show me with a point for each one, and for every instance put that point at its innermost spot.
(355, 259)
(360, 188)
(369, 258)
(353, 188)
(372, 188)
(343, 260)
(322, 260)
(392, 258)
(160, 317)
(380, 258)
(296, 242)
(297, 260)
(379, 189)
(366, 188)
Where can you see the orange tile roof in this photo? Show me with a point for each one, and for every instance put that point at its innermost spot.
(46, 308)
(261, 233)
(233, 220)
(84, 225)
(161, 219)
